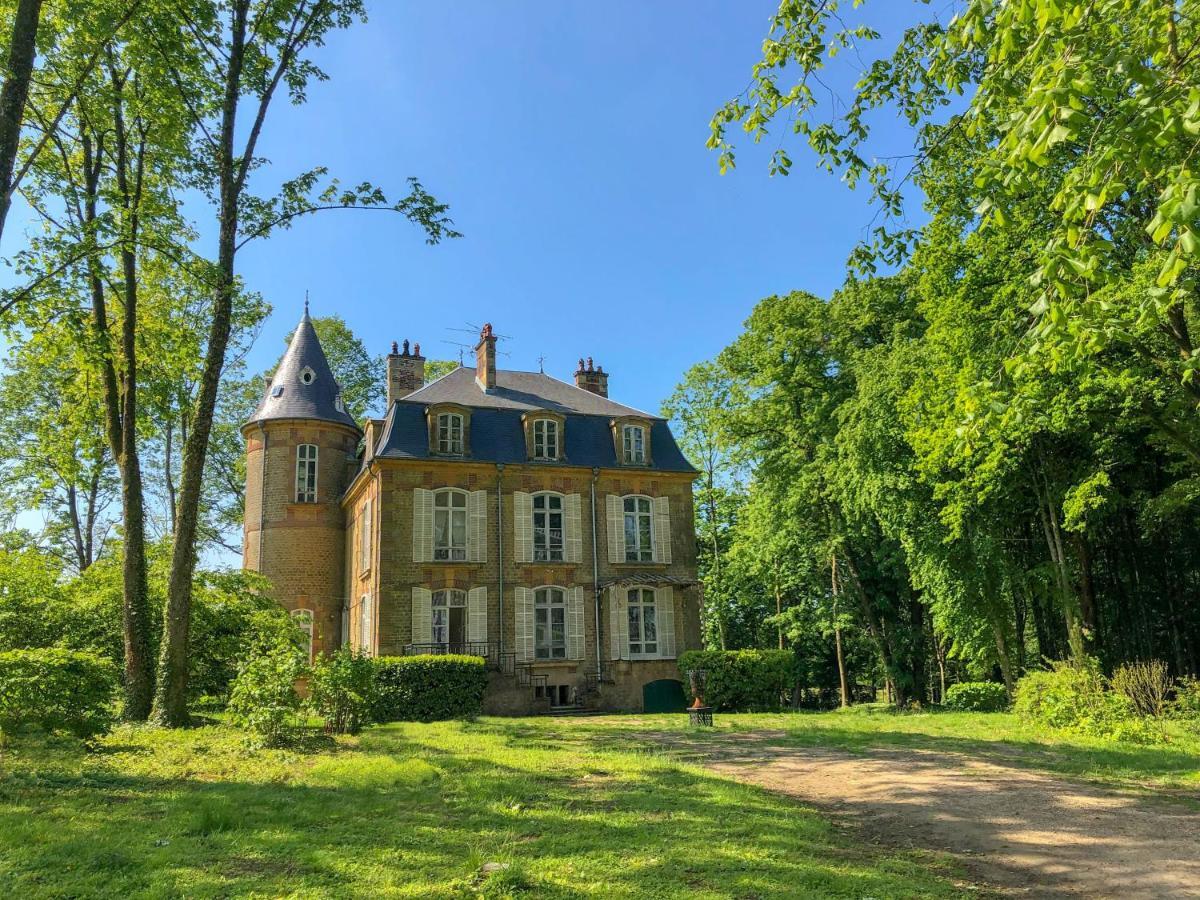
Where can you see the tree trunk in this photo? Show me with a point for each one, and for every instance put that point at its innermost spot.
(21, 53)
(843, 686)
(171, 699)
(778, 601)
(875, 628)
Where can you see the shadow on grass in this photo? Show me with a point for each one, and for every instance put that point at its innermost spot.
(420, 809)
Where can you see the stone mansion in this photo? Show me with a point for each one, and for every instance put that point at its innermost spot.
(510, 515)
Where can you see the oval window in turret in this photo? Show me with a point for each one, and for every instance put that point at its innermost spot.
(307, 375)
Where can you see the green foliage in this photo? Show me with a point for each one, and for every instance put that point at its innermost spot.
(977, 696)
(341, 690)
(56, 690)
(1185, 705)
(1147, 685)
(263, 699)
(743, 680)
(1077, 698)
(428, 688)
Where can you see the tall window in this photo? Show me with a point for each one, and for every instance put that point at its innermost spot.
(635, 444)
(448, 619)
(643, 623)
(304, 621)
(547, 528)
(545, 439)
(450, 525)
(364, 624)
(639, 535)
(306, 473)
(364, 538)
(449, 433)
(550, 623)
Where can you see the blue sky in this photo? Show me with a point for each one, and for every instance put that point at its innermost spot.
(568, 139)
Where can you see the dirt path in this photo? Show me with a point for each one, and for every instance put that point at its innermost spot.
(1025, 833)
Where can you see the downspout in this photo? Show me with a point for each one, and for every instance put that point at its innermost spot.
(500, 553)
(262, 496)
(596, 573)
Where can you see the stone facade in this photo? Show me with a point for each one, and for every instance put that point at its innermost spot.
(360, 556)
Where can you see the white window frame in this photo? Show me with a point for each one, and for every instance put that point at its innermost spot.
(548, 600)
(545, 439)
(548, 551)
(637, 550)
(450, 433)
(306, 473)
(364, 539)
(449, 552)
(441, 602)
(635, 447)
(638, 602)
(304, 619)
(364, 624)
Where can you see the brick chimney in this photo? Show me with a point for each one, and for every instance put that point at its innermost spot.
(592, 378)
(485, 359)
(405, 372)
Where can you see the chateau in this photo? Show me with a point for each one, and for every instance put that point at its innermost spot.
(504, 514)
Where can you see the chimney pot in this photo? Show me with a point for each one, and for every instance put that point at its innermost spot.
(395, 349)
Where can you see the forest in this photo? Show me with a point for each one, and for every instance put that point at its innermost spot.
(982, 453)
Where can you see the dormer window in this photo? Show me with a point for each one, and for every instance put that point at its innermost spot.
(449, 433)
(634, 443)
(307, 375)
(545, 439)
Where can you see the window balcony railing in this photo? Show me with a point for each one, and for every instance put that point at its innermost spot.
(501, 661)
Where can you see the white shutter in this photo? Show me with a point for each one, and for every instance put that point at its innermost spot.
(524, 610)
(364, 625)
(574, 523)
(477, 615)
(618, 624)
(616, 529)
(575, 620)
(477, 526)
(422, 525)
(662, 529)
(664, 603)
(422, 615)
(364, 538)
(523, 526)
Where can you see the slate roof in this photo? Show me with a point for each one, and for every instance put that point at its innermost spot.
(519, 390)
(497, 433)
(288, 397)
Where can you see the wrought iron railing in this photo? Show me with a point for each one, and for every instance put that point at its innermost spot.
(500, 660)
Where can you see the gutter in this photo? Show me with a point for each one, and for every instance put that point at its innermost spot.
(262, 496)
(500, 552)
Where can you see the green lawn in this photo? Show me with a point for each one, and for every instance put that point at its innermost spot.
(573, 809)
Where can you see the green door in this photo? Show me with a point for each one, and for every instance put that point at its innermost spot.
(663, 696)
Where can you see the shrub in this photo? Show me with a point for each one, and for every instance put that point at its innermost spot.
(428, 688)
(57, 690)
(1076, 698)
(743, 680)
(341, 690)
(1146, 684)
(1186, 705)
(977, 696)
(263, 699)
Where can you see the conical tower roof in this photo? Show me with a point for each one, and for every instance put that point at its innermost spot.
(303, 386)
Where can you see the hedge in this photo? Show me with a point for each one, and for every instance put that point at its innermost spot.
(977, 696)
(428, 688)
(56, 690)
(742, 680)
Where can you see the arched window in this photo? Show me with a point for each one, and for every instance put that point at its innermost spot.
(547, 527)
(306, 473)
(449, 433)
(364, 624)
(545, 439)
(304, 621)
(550, 623)
(449, 620)
(639, 529)
(450, 525)
(643, 622)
